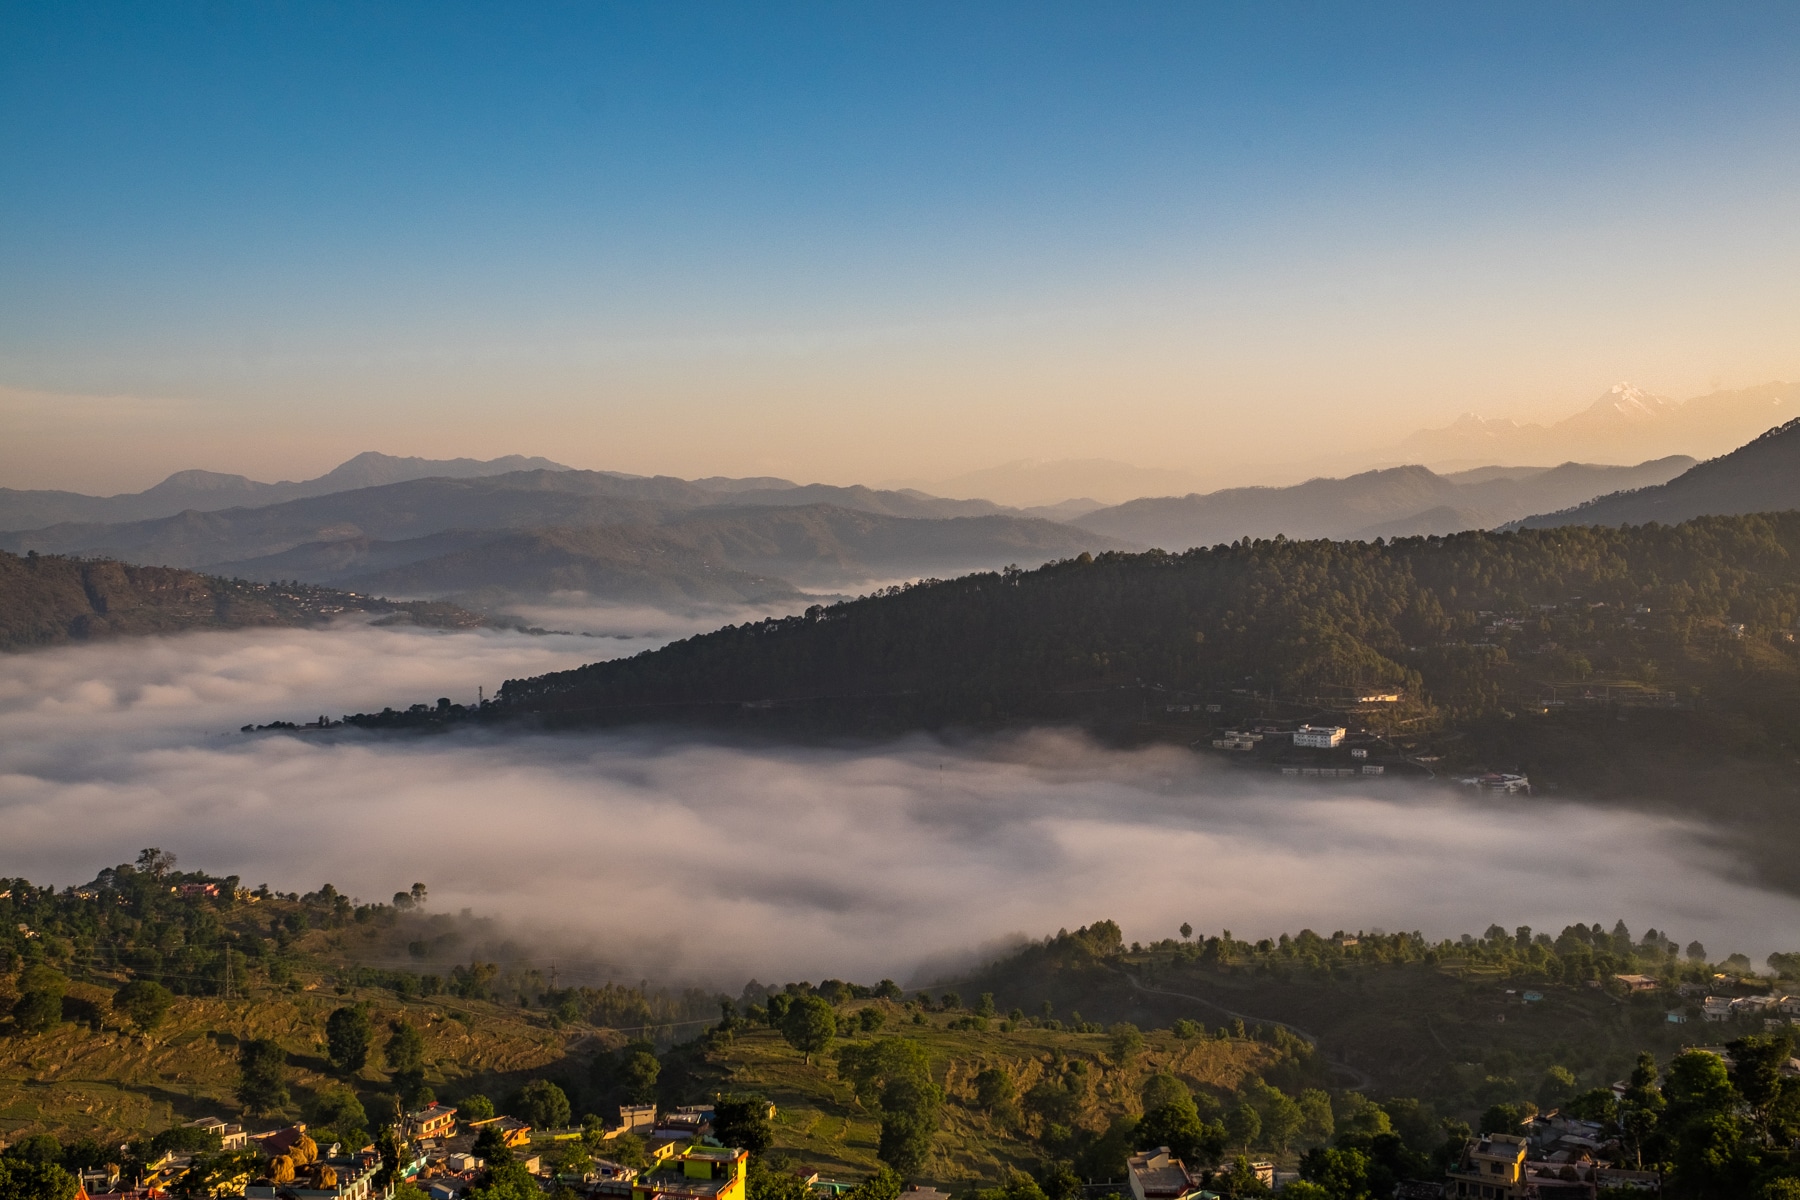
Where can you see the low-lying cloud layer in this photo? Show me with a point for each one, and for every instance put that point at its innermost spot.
(691, 859)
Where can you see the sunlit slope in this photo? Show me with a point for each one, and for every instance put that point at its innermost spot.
(110, 1083)
(820, 1123)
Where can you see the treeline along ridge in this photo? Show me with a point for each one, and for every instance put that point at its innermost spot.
(1465, 627)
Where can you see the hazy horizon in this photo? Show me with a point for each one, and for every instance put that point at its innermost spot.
(1026, 481)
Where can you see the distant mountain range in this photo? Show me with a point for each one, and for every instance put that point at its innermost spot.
(1626, 424)
(209, 491)
(488, 538)
(533, 533)
(1396, 502)
(1763, 476)
(712, 555)
(481, 534)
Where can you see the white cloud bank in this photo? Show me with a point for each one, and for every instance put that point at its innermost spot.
(707, 860)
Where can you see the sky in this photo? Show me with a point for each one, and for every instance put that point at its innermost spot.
(876, 241)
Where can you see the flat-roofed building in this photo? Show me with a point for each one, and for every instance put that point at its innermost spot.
(1492, 1167)
(698, 1173)
(1156, 1175)
(434, 1120)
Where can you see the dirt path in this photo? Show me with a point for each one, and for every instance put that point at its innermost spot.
(1361, 1080)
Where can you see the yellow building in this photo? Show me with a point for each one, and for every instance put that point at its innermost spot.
(697, 1173)
(432, 1121)
(514, 1132)
(1492, 1168)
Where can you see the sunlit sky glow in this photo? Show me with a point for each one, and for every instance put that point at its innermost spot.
(866, 242)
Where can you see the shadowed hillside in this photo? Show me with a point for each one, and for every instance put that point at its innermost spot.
(1394, 502)
(713, 554)
(47, 599)
(1763, 476)
(1464, 627)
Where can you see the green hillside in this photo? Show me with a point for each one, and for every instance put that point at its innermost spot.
(1465, 627)
(1055, 1060)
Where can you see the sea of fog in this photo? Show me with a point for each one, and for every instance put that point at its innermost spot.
(687, 858)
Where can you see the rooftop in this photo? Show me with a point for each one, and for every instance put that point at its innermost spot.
(1504, 1146)
(432, 1110)
(1158, 1174)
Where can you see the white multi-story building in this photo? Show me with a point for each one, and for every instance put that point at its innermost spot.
(1319, 737)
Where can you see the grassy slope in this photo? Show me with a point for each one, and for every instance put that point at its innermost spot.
(1412, 1029)
(1407, 1030)
(109, 1083)
(819, 1122)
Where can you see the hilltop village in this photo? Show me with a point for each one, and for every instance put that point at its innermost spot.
(173, 1033)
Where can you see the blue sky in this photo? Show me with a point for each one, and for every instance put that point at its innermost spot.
(862, 241)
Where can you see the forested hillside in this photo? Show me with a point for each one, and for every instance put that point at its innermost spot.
(1464, 627)
(48, 599)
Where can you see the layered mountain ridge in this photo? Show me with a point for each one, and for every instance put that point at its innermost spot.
(489, 538)
(478, 532)
(528, 534)
(1392, 502)
(207, 491)
(1763, 476)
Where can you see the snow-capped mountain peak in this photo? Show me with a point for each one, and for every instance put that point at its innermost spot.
(1633, 403)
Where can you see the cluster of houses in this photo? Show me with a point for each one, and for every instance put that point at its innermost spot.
(677, 1143)
(1308, 737)
(1337, 738)
(290, 1166)
(1776, 1011)
(1158, 1175)
(685, 1163)
(1553, 1158)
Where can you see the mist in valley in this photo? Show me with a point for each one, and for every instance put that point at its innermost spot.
(682, 858)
